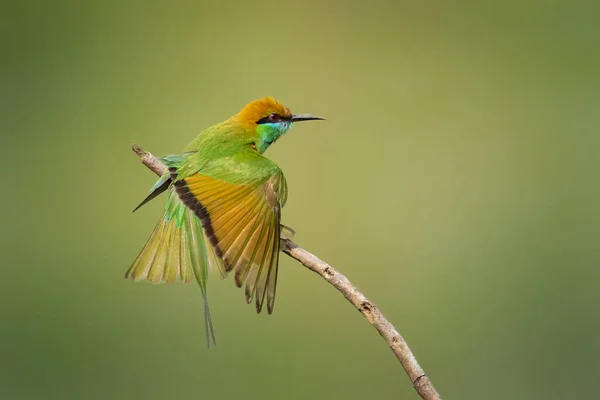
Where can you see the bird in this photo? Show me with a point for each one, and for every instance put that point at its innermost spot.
(223, 208)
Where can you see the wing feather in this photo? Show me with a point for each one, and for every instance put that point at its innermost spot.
(242, 223)
(255, 269)
(272, 278)
(250, 253)
(263, 271)
(155, 272)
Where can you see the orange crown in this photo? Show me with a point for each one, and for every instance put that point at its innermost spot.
(260, 108)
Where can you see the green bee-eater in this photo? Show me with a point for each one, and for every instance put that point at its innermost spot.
(223, 208)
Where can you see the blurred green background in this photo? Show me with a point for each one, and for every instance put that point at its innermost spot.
(455, 182)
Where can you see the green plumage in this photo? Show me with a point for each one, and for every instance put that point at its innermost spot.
(223, 208)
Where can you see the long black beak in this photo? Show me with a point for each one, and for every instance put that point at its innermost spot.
(305, 117)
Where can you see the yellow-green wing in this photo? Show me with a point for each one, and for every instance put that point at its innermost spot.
(166, 257)
(241, 221)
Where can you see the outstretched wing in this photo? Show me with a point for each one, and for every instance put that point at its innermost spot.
(241, 222)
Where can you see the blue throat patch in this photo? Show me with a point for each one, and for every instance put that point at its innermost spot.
(270, 132)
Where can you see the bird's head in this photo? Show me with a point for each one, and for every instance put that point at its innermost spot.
(269, 120)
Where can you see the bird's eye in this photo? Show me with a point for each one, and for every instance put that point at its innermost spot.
(271, 118)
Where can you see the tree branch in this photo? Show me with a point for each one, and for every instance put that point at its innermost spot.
(395, 341)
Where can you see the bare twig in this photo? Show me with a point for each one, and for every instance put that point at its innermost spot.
(398, 345)
(417, 376)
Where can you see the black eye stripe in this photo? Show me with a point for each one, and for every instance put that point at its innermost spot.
(263, 120)
(270, 118)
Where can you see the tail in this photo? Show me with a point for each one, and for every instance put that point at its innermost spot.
(177, 250)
